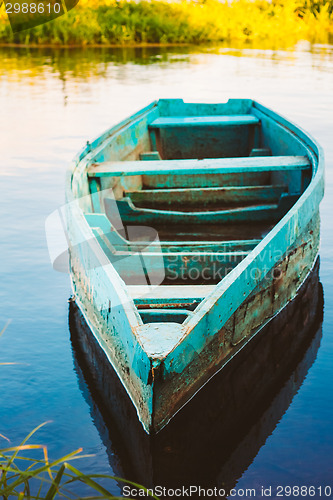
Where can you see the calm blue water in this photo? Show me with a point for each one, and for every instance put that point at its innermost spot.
(51, 102)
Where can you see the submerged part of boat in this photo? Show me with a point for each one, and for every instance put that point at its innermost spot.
(190, 226)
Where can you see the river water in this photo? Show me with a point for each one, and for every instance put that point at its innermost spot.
(52, 101)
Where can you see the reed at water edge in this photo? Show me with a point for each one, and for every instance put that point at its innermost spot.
(129, 22)
(25, 477)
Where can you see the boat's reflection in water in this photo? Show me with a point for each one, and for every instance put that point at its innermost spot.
(217, 435)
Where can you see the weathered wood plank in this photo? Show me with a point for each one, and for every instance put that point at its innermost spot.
(177, 107)
(261, 152)
(204, 121)
(232, 195)
(150, 155)
(255, 164)
(164, 315)
(119, 242)
(203, 180)
(165, 294)
(95, 188)
(177, 267)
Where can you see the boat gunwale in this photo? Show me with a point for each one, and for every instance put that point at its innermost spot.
(84, 156)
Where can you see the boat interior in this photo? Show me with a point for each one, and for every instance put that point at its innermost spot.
(181, 193)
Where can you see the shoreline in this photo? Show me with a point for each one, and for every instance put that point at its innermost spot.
(159, 23)
(98, 46)
(229, 44)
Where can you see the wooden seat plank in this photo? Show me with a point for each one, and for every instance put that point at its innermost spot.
(258, 213)
(150, 156)
(164, 315)
(144, 294)
(255, 164)
(203, 121)
(132, 266)
(119, 243)
(201, 197)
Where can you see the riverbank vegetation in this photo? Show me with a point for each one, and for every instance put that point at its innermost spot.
(130, 22)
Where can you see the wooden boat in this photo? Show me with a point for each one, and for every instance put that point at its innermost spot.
(190, 226)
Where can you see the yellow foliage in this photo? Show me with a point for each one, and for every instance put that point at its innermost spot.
(3, 15)
(283, 22)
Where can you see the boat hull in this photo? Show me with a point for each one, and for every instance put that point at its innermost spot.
(163, 365)
(172, 391)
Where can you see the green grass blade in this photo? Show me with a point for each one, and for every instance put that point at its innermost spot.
(138, 486)
(13, 479)
(39, 489)
(25, 440)
(4, 437)
(5, 327)
(115, 478)
(55, 486)
(36, 472)
(89, 481)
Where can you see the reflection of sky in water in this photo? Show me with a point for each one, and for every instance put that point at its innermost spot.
(67, 95)
(52, 101)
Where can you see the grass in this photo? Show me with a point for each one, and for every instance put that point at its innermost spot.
(130, 22)
(25, 477)
(1, 333)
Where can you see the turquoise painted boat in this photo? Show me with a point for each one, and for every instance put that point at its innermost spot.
(190, 227)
